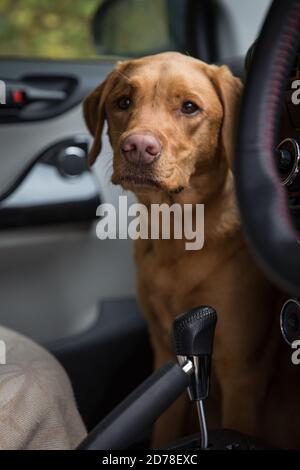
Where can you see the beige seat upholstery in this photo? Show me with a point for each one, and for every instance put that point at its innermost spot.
(37, 406)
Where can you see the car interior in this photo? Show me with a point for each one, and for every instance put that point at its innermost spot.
(61, 286)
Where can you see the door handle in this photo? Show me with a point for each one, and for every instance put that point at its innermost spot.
(40, 94)
(20, 95)
(37, 97)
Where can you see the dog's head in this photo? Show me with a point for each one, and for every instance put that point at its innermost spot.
(171, 122)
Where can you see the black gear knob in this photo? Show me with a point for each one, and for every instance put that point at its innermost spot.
(193, 332)
(193, 336)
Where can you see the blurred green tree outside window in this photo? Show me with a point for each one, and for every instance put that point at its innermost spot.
(57, 29)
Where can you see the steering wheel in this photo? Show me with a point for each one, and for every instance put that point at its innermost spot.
(262, 199)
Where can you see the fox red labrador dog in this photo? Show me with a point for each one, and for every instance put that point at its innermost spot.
(171, 124)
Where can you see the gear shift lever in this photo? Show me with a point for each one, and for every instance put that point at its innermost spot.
(193, 334)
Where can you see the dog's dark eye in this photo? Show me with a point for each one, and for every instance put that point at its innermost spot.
(189, 107)
(124, 102)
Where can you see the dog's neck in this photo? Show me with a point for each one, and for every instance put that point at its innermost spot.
(221, 218)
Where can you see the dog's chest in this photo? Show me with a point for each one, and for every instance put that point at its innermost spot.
(170, 279)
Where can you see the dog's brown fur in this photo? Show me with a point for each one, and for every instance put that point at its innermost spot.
(252, 379)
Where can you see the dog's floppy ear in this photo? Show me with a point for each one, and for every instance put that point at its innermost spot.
(94, 115)
(94, 111)
(229, 90)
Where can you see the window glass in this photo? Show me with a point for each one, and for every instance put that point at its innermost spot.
(70, 29)
(47, 28)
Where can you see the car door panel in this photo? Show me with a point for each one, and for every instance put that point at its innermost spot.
(24, 140)
(49, 253)
(57, 188)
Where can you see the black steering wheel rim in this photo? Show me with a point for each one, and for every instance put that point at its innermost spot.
(261, 197)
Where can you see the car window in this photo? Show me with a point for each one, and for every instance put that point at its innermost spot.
(45, 28)
(139, 27)
(70, 29)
